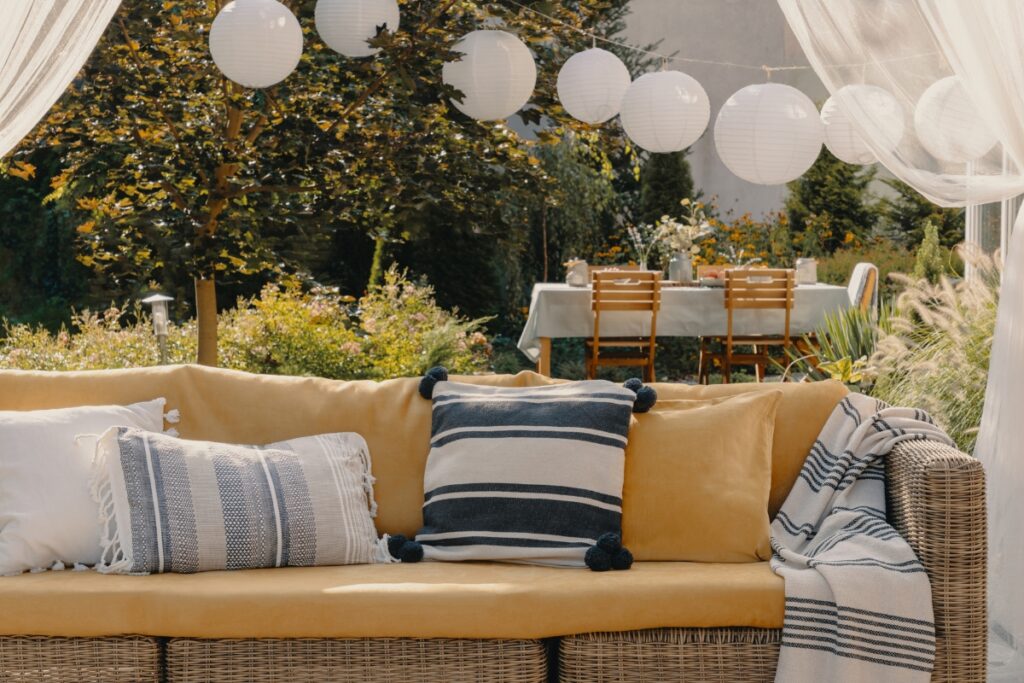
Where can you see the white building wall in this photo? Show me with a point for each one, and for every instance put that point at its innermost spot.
(739, 31)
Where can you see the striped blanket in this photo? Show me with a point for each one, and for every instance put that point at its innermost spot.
(858, 601)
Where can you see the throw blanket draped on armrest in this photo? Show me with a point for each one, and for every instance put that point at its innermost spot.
(858, 601)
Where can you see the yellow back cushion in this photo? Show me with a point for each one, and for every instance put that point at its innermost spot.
(698, 475)
(236, 407)
(802, 413)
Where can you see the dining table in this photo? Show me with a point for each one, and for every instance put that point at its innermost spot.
(559, 311)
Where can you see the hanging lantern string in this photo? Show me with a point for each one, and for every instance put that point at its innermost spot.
(665, 59)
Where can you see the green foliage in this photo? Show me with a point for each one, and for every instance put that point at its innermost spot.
(832, 203)
(395, 330)
(937, 354)
(836, 268)
(905, 215)
(173, 172)
(842, 346)
(665, 181)
(930, 264)
(40, 280)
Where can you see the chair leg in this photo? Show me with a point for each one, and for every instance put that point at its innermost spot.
(727, 365)
(702, 371)
(759, 365)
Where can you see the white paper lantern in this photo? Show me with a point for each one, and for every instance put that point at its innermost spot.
(948, 125)
(496, 74)
(346, 25)
(256, 43)
(768, 133)
(665, 111)
(591, 85)
(884, 115)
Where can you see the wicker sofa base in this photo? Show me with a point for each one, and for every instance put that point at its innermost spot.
(394, 660)
(717, 655)
(40, 659)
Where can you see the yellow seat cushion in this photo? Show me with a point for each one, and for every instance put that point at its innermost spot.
(802, 412)
(426, 600)
(697, 479)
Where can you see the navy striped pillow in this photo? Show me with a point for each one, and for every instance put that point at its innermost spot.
(524, 474)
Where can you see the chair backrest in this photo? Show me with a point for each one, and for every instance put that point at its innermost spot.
(762, 288)
(601, 269)
(863, 287)
(634, 291)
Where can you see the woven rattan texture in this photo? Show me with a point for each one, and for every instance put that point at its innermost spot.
(31, 659)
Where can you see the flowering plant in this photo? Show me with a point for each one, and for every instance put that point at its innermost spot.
(683, 234)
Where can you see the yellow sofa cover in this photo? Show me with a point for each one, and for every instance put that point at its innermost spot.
(426, 600)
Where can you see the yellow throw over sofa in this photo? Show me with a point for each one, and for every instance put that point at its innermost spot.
(418, 601)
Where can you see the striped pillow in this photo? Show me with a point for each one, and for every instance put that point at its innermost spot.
(524, 474)
(171, 505)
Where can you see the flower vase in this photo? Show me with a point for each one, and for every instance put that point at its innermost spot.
(680, 268)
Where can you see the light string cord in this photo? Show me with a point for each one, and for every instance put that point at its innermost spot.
(665, 59)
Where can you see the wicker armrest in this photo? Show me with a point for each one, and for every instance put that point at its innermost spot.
(936, 498)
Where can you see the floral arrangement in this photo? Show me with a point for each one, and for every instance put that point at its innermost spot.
(683, 234)
(644, 240)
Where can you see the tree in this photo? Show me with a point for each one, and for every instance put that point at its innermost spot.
(664, 181)
(929, 264)
(178, 173)
(906, 215)
(835, 194)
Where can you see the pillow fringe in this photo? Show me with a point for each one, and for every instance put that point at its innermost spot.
(113, 559)
(381, 554)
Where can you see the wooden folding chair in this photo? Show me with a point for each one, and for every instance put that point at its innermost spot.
(863, 287)
(761, 289)
(635, 291)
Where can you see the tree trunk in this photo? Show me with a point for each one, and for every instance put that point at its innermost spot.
(206, 317)
(377, 268)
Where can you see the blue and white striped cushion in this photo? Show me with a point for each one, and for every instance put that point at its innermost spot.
(524, 474)
(172, 505)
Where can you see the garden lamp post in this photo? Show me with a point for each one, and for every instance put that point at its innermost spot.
(159, 302)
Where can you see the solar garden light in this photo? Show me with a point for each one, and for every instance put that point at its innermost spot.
(159, 302)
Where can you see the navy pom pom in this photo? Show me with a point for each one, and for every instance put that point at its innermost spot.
(395, 544)
(633, 384)
(622, 560)
(610, 543)
(413, 552)
(597, 559)
(646, 397)
(433, 376)
(404, 550)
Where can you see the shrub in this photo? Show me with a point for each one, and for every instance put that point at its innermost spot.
(936, 356)
(397, 329)
(114, 339)
(886, 255)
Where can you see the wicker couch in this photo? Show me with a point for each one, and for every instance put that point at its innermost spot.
(936, 501)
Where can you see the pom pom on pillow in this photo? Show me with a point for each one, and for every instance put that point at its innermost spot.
(433, 376)
(608, 553)
(404, 550)
(646, 396)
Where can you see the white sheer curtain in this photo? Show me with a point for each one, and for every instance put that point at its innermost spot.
(43, 44)
(905, 46)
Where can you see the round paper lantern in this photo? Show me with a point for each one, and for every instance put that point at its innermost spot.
(256, 43)
(948, 125)
(884, 115)
(496, 74)
(768, 133)
(346, 25)
(591, 85)
(665, 111)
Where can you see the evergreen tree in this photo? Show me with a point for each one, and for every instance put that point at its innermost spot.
(905, 216)
(665, 181)
(837, 193)
(929, 264)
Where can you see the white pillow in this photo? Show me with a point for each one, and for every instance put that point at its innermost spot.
(47, 513)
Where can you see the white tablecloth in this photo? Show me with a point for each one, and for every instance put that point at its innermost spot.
(558, 310)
